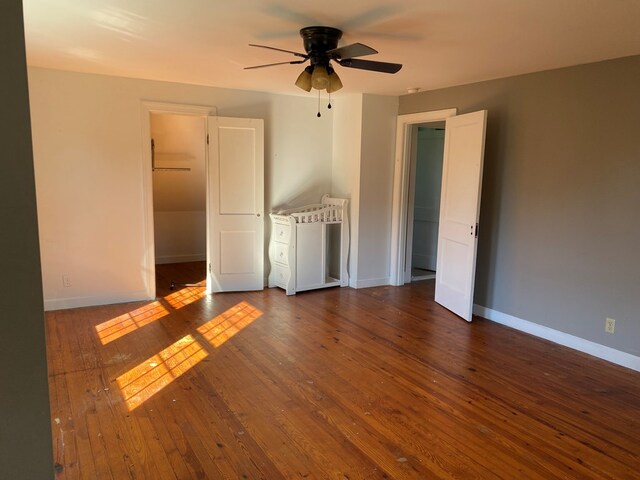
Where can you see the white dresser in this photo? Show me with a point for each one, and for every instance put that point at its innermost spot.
(309, 246)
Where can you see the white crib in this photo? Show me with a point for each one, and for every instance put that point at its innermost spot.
(309, 246)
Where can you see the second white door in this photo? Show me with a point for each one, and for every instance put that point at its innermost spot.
(236, 204)
(459, 212)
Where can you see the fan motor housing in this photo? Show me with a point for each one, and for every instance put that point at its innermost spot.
(318, 40)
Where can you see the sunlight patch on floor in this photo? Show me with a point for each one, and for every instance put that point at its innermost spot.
(221, 328)
(149, 377)
(120, 326)
(185, 296)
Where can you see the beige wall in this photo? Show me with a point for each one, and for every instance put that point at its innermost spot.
(379, 116)
(87, 150)
(345, 173)
(25, 429)
(363, 152)
(559, 230)
(87, 141)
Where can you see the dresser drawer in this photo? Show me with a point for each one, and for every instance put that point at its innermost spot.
(279, 275)
(282, 233)
(281, 251)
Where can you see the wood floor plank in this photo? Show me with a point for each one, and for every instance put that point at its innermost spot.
(158, 421)
(337, 383)
(230, 432)
(563, 438)
(330, 446)
(64, 448)
(349, 388)
(171, 417)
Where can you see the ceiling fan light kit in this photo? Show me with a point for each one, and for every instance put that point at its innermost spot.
(304, 80)
(334, 82)
(321, 45)
(320, 77)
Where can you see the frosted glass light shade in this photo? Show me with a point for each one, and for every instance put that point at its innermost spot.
(319, 77)
(334, 83)
(304, 81)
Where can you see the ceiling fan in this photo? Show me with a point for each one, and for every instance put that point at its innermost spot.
(321, 45)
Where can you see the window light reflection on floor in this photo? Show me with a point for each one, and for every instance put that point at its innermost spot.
(118, 327)
(149, 377)
(185, 296)
(221, 328)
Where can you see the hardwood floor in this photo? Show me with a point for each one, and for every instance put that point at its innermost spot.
(329, 384)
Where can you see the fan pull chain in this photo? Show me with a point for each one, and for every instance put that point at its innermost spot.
(319, 114)
(329, 106)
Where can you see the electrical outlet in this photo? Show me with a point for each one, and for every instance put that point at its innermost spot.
(609, 325)
(66, 280)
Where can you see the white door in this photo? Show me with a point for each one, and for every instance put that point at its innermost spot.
(236, 204)
(459, 212)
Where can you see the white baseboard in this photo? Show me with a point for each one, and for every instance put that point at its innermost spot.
(597, 350)
(90, 301)
(195, 257)
(371, 282)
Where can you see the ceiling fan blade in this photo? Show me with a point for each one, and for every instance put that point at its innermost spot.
(280, 50)
(294, 62)
(350, 51)
(383, 67)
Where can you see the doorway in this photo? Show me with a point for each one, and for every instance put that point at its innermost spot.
(404, 175)
(424, 201)
(462, 165)
(171, 155)
(234, 175)
(179, 187)
(178, 158)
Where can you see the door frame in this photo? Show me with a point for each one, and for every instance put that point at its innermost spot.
(148, 235)
(413, 158)
(401, 185)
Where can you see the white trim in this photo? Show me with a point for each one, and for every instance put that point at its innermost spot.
(597, 350)
(371, 282)
(91, 301)
(401, 185)
(193, 257)
(179, 109)
(148, 107)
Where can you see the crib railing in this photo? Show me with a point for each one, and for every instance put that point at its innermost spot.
(317, 212)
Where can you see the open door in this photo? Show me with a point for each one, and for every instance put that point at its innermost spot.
(236, 201)
(459, 212)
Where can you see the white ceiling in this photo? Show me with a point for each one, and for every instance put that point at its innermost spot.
(439, 42)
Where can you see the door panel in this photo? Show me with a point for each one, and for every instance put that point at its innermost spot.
(236, 220)
(237, 170)
(459, 212)
(239, 252)
(425, 238)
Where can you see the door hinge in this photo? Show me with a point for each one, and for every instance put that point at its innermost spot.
(210, 268)
(476, 230)
(207, 139)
